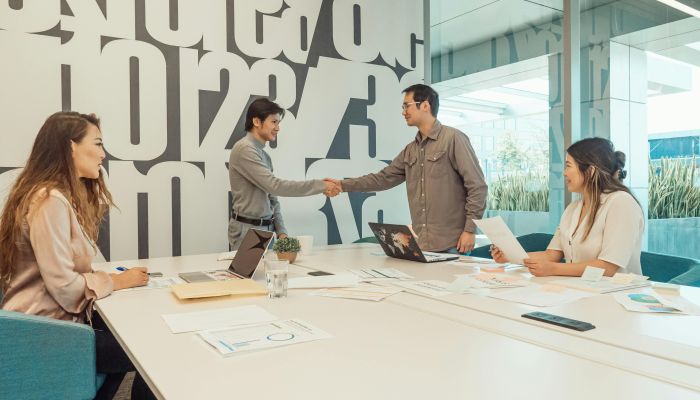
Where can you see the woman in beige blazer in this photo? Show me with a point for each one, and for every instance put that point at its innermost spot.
(48, 231)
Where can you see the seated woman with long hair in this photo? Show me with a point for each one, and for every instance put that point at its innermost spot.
(48, 234)
(604, 228)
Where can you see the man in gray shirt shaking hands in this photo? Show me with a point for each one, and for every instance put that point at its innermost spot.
(254, 187)
(444, 182)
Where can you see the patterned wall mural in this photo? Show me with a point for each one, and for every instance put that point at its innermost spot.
(171, 80)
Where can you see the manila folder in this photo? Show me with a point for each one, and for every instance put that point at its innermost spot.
(246, 287)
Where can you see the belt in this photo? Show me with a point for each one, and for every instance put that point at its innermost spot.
(254, 221)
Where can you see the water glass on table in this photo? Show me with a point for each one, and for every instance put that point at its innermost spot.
(276, 276)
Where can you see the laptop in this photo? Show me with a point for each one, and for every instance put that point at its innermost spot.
(397, 241)
(244, 264)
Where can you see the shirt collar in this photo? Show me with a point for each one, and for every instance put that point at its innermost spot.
(433, 134)
(255, 141)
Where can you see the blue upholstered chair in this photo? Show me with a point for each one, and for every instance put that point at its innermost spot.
(665, 268)
(44, 358)
(368, 239)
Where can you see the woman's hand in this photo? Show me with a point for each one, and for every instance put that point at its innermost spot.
(132, 277)
(498, 255)
(540, 266)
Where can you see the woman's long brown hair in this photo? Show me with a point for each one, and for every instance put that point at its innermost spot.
(50, 166)
(603, 171)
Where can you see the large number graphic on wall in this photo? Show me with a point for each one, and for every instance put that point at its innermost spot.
(171, 80)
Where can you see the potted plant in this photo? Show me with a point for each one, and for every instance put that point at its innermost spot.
(287, 248)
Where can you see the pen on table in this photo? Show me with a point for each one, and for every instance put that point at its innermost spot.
(153, 274)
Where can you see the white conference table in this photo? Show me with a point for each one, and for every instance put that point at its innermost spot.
(662, 346)
(385, 350)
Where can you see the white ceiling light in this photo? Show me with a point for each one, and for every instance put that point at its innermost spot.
(682, 7)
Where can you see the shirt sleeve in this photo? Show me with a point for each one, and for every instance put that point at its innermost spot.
(464, 161)
(624, 225)
(277, 214)
(249, 164)
(50, 237)
(392, 175)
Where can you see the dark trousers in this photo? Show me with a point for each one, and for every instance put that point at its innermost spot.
(113, 361)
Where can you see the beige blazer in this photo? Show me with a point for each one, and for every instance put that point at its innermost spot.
(54, 276)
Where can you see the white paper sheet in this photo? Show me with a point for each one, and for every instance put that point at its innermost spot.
(648, 303)
(487, 281)
(431, 288)
(501, 236)
(156, 283)
(262, 336)
(226, 256)
(323, 281)
(219, 318)
(541, 295)
(362, 292)
(369, 274)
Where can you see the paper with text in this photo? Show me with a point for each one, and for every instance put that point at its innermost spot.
(219, 318)
(501, 236)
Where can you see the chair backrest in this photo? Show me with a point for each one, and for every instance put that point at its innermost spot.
(663, 267)
(46, 358)
(368, 239)
(690, 278)
(530, 242)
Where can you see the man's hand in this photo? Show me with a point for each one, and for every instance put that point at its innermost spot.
(281, 236)
(465, 243)
(333, 187)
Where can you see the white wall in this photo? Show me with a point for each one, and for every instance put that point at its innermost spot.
(171, 87)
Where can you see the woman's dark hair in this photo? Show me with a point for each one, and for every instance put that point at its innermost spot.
(50, 167)
(603, 171)
(261, 108)
(423, 93)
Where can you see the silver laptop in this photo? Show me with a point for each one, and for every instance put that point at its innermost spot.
(397, 241)
(244, 264)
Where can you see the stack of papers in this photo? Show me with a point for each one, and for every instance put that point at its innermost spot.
(323, 281)
(373, 274)
(211, 319)
(245, 287)
(231, 341)
(467, 283)
(430, 288)
(157, 283)
(541, 295)
(363, 292)
(606, 284)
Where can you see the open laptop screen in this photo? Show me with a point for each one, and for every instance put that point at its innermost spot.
(250, 252)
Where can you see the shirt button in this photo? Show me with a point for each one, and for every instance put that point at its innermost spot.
(422, 194)
(421, 164)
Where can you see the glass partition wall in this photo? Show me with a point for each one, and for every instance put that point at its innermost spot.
(499, 67)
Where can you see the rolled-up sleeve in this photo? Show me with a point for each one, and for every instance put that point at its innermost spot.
(624, 225)
(50, 237)
(464, 159)
(392, 175)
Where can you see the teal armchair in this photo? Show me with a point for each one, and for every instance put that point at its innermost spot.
(44, 358)
(665, 268)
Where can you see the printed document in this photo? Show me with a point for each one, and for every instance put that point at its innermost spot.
(156, 283)
(323, 281)
(219, 318)
(230, 341)
(541, 295)
(371, 274)
(362, 292)
(431, 288)
(501, 236)
(647, 303)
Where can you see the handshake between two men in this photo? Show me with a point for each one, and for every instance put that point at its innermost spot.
(333, 187)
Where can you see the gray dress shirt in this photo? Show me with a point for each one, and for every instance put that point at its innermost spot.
(444, 182)
(255, 189)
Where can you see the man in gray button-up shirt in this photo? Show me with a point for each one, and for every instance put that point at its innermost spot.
(444, 182)
(253, 186)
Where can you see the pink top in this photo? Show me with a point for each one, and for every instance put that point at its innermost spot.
(54, 277)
